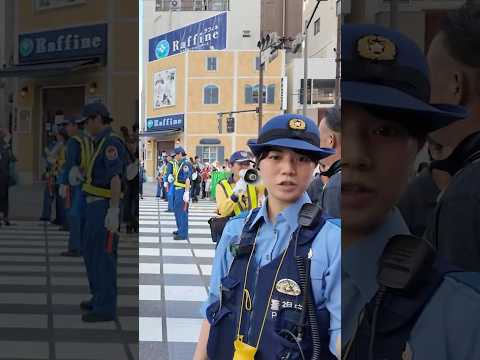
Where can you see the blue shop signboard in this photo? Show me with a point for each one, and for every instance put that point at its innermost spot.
(208, 34)
(170, 122)
(63, 44)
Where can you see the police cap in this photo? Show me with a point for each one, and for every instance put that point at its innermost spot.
(291, 131)
(385, 69)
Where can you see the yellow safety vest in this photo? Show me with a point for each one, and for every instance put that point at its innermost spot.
(87, 186)
(86, 146)
(251, 196)
(59, 161)
(176, 171)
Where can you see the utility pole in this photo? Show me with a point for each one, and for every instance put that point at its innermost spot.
(260, 93)
(305, 71)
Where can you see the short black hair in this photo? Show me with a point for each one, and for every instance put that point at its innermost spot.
(461, 28)
(265, 152)
(333, 119)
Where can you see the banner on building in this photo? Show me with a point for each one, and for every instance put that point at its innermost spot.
(208, 34)
(164, 88)
(169, 122)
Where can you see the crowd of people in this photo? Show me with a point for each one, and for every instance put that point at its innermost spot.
(92, 188)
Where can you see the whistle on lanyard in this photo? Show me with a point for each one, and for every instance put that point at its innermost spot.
(109, 242)
(243, 351)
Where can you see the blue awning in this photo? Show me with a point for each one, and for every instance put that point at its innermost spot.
(47, 69)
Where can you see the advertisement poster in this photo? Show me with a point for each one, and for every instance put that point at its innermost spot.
(164, 88)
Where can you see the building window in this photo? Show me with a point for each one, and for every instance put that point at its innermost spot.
(210, 94)
(316, 27)
(211, 63)
(50, 4)
(191, 5)
(210, 153)
(319, 91)
(252, 94)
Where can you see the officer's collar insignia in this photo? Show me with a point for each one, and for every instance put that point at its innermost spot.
(288, 286)
(296, 124)
(375, 47)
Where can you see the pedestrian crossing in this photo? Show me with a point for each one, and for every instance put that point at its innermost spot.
(40, 292)
(174, 278)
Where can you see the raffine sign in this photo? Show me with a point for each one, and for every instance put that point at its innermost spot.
(208, 34)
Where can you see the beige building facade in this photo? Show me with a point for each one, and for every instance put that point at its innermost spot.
(207, 83)
(66, 55)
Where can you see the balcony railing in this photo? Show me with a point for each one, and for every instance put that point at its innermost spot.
(192, 5)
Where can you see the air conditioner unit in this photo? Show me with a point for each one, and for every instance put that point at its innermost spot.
(175, 5)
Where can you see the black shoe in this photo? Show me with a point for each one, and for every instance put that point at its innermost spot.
(44, 219)
(71, 253)
(175, 232)
(86, 305)
(170, 211)
(178, 237)
(55, 222)
(92, 317)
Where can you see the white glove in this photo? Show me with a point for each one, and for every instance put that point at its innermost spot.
(186, 196)
(170, 178)
(75, 176)
(62, 191)
(194, 176)
(112, 219)
(240, 187)
(132, 170)
(165, 185)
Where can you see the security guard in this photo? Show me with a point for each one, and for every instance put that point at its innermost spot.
(79, 150)
(103, 191)
(234, 195)
(182, 173)
(169, 178)
(399, 301)
(268, 272)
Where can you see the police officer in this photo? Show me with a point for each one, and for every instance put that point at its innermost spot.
(257, 300)
(103, 191)
(234, 195)
(79, 150)
(169, 179)
(391, 309)
(182, 180)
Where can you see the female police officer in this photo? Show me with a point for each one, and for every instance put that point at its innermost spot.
(433, 313)
(259, 295)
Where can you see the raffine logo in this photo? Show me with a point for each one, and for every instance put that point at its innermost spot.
(162, 49)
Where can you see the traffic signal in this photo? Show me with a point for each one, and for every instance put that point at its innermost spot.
(230, 124)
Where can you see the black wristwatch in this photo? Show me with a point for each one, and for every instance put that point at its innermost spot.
(234, 198)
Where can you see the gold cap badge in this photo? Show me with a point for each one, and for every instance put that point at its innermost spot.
(288, 286)
(374, 47)
(296, 124)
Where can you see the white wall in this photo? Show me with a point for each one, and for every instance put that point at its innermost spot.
(324, 43)
(318, 68)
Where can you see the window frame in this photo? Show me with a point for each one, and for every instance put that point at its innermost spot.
(38, 7)
(207, 63)
(203, 94)
(316, 27)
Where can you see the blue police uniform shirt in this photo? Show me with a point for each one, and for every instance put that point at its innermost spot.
(109, 162)
(73, 158)
(185, 170)
(169, 169)
(449, 326)
(325, 266)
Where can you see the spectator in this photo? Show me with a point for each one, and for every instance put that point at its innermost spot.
(7, 176)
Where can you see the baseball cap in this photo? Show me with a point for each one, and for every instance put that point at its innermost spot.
(73, 119)
(385, 69)
(240, 156)
(291, 131)
(94, 109)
